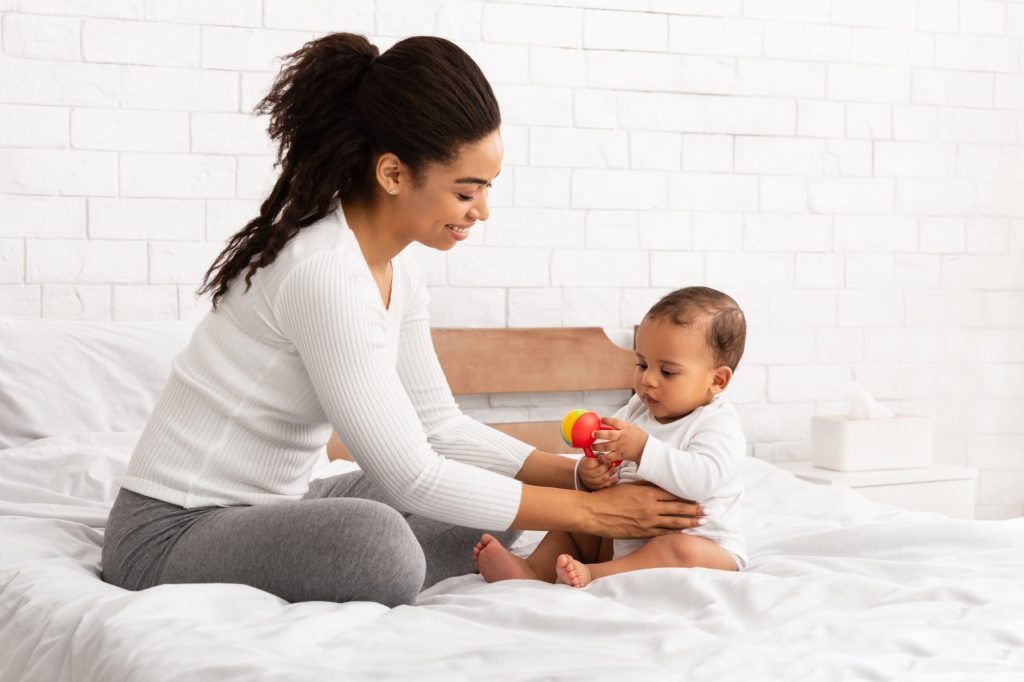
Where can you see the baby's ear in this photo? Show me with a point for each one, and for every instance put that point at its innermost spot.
(723, 375)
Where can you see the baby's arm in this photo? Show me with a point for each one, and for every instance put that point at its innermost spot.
(712, 456)
(693, 474)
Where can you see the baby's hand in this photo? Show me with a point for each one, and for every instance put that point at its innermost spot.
(625, 442)
(594, 474)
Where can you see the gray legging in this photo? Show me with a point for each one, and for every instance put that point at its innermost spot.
(341, 542)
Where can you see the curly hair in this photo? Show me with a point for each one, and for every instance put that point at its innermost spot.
(338, 104)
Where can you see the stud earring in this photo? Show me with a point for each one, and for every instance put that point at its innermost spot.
(392, 191)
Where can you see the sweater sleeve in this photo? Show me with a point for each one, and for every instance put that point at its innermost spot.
(712, 457)
(335, 320)
(449, 431)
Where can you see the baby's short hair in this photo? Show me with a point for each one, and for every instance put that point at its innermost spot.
(724, 323)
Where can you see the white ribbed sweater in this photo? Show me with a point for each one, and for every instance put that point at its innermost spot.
(251, 401)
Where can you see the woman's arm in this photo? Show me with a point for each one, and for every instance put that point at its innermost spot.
(621, 511)
(544, 507)
(324, 307)
(556, 471)
(450, 432)
(545, 469)
(540, 468)
(336, 449)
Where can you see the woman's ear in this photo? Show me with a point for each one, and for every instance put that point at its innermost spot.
(721, 379)
(390, 173)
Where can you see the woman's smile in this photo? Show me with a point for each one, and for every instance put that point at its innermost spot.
(460, 232)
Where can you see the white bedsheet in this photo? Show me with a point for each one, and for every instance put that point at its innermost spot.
(839, 588)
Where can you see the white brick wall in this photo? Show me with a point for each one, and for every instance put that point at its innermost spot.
(852, 171)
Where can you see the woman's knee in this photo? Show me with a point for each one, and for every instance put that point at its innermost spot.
(392, 566)
(317, 550)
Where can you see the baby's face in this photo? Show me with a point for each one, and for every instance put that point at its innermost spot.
(675, 372)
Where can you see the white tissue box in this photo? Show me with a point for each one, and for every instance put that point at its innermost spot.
(844, 444)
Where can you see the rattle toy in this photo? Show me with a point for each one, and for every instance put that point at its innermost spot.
(578, 430)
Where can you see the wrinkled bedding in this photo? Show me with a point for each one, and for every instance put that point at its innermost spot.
(838, 588)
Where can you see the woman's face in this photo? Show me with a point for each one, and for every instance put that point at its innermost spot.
(441, 210)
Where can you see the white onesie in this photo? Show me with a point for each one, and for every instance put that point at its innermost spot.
(697, 457)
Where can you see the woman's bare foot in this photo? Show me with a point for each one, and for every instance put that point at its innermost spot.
(571, 572)
(497, 563)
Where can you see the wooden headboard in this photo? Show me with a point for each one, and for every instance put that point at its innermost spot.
(533, 360)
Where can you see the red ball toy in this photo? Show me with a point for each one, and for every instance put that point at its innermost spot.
(578, 430)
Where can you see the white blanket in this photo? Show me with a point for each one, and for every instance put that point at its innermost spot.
(839, 588)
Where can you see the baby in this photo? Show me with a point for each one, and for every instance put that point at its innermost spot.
(678, 433)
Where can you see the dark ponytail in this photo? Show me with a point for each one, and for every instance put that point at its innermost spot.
(334, 108)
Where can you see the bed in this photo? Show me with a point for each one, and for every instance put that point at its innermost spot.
(838, 587)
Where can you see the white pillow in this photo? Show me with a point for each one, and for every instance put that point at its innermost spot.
(61, 376)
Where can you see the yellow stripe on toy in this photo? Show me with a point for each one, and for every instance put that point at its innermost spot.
(567, 424)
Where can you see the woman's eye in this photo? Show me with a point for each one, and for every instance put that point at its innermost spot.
(464, 197)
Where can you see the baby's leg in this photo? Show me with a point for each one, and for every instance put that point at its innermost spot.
(664, 551)
(497, 563)
(574, 571)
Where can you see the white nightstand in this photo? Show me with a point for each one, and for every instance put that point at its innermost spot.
(940, 488)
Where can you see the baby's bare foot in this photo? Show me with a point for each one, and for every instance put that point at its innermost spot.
(497, 563)
(569, 571)
(476, 551)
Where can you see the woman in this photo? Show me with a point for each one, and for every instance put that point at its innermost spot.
(331, 329)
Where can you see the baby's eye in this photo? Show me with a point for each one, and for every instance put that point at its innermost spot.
(667, 375)
(641, 365)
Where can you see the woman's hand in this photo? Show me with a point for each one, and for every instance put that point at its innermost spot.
(639, 510)
(625, 442)
(596, 474)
